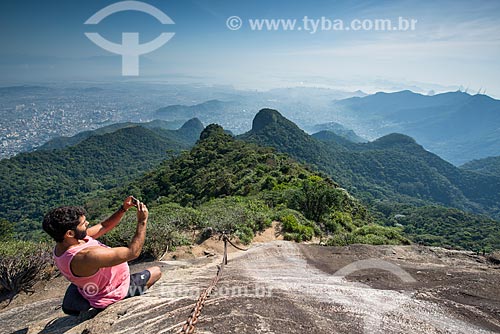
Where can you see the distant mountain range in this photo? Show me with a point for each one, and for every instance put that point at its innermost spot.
(232, 115)
(456, 126)
(339, 130)
(235, 111)
(393, 167)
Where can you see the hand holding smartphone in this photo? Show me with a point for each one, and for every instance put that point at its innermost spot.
(135, 201)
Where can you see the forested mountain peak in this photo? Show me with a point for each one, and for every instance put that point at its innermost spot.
(189, 132)
(332, 138)
(270, 117)
(193, 123)
(213, 131)
(265, 117)
(395, 140)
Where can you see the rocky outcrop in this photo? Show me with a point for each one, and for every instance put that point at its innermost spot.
(284, 287)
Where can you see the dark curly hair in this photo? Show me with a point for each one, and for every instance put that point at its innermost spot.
(60, 220)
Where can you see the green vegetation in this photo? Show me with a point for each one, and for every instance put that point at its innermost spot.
(394, 170)
(32, 183)
(22, 264)
(369, 234)
(6, 230)
(242, 215)
(227, 184)
(172, 225)
(444, 227)
(166, 223)
(294, 230)
(488, 166)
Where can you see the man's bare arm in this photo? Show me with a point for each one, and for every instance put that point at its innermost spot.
(104, 227)
(89, 261)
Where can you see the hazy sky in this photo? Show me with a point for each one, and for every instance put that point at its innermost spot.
(455, 43)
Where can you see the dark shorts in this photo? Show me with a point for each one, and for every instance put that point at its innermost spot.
(138, 283)
(74, 303)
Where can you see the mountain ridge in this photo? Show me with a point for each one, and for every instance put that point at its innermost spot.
(490, 166)
(457, 126)
(62, 142)
(380, 163)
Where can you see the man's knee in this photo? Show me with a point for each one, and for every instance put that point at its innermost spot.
(73, 302)
(69, 311)
(155, 275)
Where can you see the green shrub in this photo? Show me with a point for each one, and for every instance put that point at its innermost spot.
(163, 230)
(295, 230)
(292, 237)
(22, 264)
(162, 236)
(121, 235)
(314, 198)
(6, 230)
(184, 218)
(240, 215)
(245, 234)
(369, 234)
(338, 222)
(379, 235)
(340, 239)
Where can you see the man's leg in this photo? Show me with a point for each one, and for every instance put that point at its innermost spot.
(73, 301)
(143, 280)
(155, 275)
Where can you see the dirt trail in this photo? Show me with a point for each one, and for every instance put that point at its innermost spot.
(284, 287)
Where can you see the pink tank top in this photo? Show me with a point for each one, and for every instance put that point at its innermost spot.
(107, 286)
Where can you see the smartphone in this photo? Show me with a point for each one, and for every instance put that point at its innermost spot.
(135, 202)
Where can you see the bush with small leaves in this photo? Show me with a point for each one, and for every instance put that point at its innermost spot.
(295, 230)
(22, 264)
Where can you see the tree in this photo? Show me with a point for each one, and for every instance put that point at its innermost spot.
(6, 230)
(314, 198)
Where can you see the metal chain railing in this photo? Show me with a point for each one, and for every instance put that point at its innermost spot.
(189, 326)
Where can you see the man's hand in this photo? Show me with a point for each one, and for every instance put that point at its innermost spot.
(104, 227)
(129, 202)
(142, 213)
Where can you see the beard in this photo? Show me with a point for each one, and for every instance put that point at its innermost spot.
(80, 235)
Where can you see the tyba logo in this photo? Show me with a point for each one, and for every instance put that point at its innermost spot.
(130, 49)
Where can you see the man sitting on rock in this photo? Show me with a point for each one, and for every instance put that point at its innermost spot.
(99, 275)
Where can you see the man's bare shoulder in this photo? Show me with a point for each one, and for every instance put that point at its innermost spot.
(96, 257)
(91, 252)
